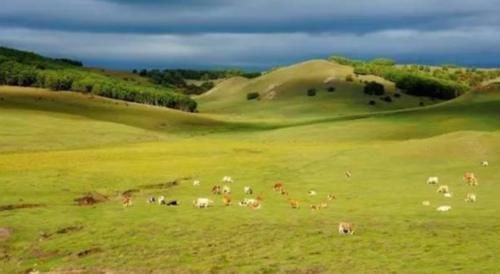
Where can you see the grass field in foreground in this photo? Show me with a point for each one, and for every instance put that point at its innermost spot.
(390, 157)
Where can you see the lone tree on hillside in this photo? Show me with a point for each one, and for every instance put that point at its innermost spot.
(252, 95)
(374, 88)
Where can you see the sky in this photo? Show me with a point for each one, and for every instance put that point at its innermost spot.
(253, 34)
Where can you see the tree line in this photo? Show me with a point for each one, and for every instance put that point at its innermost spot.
(30, 70)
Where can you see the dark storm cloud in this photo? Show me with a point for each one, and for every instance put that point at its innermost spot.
(257, 33)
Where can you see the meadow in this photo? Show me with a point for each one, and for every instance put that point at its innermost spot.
(58, 146)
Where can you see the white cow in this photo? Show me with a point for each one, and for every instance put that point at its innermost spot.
(312, 193)
(227, 179)
(470, 198)
(226, 190)
(196, 182)
(346, 229)
(448, 195)
(161, 200)
(202, 202)
(253, 203)
(443, 208)
(443, 189)
(433, 180)
(248, 190)
(485, 163)
(426, 203)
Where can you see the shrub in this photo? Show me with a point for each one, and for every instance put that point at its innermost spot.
(349, 78)
(374, 88)
(388, 99)
(331, 89)
(372, 103)
(253, 95)
(397, 95)
(361, 70)
(422, 104)
(311, 92)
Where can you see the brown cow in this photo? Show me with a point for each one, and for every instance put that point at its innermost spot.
(127, 201)
(471, 179)
(226, 200)
(217, 189)
(294, 203)
(278, 187)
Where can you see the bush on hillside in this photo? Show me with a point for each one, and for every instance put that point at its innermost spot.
(387, 99)
(372, 103)
(331, 89)
(311, 92)
(374, 88)
(253, 95)
(349, 78)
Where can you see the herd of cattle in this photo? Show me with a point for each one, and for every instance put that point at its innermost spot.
(256, 203)
(253, 203)
(470, 197)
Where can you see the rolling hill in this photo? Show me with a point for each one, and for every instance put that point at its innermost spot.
(283, 94)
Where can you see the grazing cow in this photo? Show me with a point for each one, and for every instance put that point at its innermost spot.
(278, 187)
(312, 193)
(470, 198)
(346, 229)
(471, 179)
(251, 203)
(348, 174)
(294, 203)
(485, 163)
(331, 197)
(172, 203)
(426, 203)
(161, 200)
(443, 208)
(319, 206)
(196, 182)
(443, 189)
(226, 200)
(433, 180)
(448, 195)
(127, 201)
(227, 180)
(243, 202)
(283, 192)
(217, 189)
(248, 190)
(202, 202)
(226, 190)
(151, 200)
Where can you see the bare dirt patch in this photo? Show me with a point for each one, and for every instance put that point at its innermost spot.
(129, 192)
(88, 252)
(5, 233)
(162, 185)
(91, 198)
(19, 206)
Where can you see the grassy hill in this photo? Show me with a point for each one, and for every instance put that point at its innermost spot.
(26, 69)
(58, 146)
(283, 94)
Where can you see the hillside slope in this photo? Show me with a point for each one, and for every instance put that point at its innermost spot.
(283, 94)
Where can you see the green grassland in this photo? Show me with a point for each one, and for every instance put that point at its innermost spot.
(283, 94)
(57, 146)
